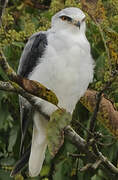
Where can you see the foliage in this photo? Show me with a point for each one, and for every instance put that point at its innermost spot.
(20, 21)
(55, 130)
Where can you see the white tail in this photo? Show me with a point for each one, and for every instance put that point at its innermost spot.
(39, 145)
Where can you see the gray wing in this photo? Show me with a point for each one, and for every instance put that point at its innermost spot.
(33, 50)
(31, 55)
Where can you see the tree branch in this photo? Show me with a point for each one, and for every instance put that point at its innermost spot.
(94, 116)
(32, 87)
(107, 115)
(98, 100)
(80, 143)
(13, 87)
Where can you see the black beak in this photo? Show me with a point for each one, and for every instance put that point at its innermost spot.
(78, 24)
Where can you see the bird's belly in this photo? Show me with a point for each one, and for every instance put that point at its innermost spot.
(67, 76)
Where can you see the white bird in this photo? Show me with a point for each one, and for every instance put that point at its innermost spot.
(61, 60)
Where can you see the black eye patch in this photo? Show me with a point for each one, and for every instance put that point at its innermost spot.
(66, 18)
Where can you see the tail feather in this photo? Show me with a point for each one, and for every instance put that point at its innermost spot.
(39, 145)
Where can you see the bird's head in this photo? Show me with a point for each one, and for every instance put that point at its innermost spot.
(70, 19)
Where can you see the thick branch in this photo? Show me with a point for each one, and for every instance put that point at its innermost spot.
(32, 87)
(13, 87)
(6, 86)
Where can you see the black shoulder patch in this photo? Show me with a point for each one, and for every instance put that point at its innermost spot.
(30, 58)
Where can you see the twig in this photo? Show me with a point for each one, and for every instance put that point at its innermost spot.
(86, 167)
(6, 68)
(95, 136)
(99, 96)
(94, 116)
(107, 144)
(80, 143)
(96, 164)
(91, 165)
(3, 4)
(76, 155)
(105, 43)
(84, 128)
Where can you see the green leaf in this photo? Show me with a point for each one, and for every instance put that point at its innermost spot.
(19, 177)
(12, 138)
(63, 170)
(5, 117)
(100, 63)
(18, 44)
(45, 171)
(7, 161)
(4, 175)
(8, 51)
(55, 130)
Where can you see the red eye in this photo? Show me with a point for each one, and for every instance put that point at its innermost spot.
(66, 18)
(63, 18)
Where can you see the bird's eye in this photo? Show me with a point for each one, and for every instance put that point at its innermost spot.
(66, 18)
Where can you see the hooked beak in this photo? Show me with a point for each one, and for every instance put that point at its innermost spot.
(77, 23)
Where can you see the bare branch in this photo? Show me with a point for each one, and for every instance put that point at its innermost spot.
(91, 156)
(86, 167)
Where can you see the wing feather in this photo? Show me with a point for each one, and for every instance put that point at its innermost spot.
(31, 55)
(33, 51)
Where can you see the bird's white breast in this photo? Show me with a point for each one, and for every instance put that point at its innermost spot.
(66, 68)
